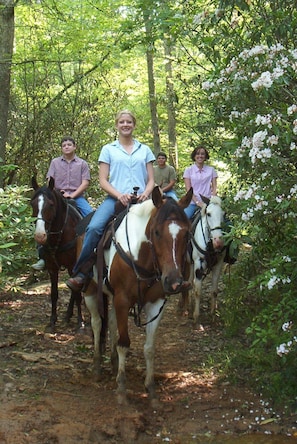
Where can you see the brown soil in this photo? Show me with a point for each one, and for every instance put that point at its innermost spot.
(49, 396)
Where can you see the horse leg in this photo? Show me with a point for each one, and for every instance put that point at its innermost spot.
(183, 303)
(216, 273)
(121, 376)
(54, 299)
(69, 312)
(80, 320)
(113, 338)
(151, 311)
(197, 294)
(96, 323)
(123, 344)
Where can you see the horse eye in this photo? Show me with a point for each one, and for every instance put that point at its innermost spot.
(157, 233)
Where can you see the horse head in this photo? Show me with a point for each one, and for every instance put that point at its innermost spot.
(47, 206)
(168, 232)
(212, 216)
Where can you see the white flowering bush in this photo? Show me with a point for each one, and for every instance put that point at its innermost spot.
(255, 99)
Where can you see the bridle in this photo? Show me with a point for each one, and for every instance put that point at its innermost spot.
(56, 248)
(207, 254)
(141, 273)
(206, 239)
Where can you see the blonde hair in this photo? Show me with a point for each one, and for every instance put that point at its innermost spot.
(125, 111)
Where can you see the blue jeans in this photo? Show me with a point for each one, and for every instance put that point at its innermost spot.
(94, 231)
(170, 193)
(190, 210)
(83, 206)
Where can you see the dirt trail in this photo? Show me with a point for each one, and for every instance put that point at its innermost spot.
(48, 394)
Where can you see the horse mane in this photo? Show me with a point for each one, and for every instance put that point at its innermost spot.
(216, 200)
(51, 194)
(143, 209)
(169, 208)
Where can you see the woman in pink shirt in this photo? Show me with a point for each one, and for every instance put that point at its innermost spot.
(202, 178)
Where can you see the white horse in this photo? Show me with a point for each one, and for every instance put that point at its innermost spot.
(207, 256)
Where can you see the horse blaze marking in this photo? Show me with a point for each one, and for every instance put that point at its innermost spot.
(174, 230)
(40, 226)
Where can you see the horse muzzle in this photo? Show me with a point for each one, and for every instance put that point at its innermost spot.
(218, 244)
(40, 238)
(176, 286)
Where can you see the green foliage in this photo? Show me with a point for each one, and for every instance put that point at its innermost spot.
(16, 239)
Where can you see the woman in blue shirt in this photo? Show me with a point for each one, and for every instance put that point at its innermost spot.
(123, 164)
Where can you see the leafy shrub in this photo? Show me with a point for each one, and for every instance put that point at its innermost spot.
(16, 240)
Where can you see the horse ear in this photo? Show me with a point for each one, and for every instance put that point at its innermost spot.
(51, 183)
(204, 199)
(184, 202)
(34, 183)
(157, 197)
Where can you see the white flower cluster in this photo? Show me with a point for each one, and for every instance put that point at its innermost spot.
(255, 154)
(274, 280)
(207, 85)
(286, 347)
(238, 115)
(257, 143)
(287, 326)
(287, 259)
(264, 81)
(293, 191)
(264, 120)
(291, 109)
(260, 50)
(246, 194)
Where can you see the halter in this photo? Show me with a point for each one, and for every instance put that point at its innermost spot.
(208, 252)
(53, 250)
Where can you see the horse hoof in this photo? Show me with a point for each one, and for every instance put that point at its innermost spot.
(155, 404)
(122, 399)
(198, 327)
(50, 329)
(81, 329)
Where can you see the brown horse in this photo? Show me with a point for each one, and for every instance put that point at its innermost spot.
(55, 230)
(146, 261)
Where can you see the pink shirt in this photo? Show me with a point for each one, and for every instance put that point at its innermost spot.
(200, 179)
(68, 175)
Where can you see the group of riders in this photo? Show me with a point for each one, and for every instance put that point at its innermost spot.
(123, 164)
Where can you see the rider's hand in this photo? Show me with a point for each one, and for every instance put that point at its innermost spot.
(125, 199)
(142, 197)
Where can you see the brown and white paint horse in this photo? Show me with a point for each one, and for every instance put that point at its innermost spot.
(208, 253)
(146, 261)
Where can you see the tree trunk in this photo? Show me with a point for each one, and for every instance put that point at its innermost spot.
(151, 83)
(6, 52)
(153, 101)
(171, 101)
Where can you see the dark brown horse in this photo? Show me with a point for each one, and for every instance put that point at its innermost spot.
(55, 231)
(146, 261)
